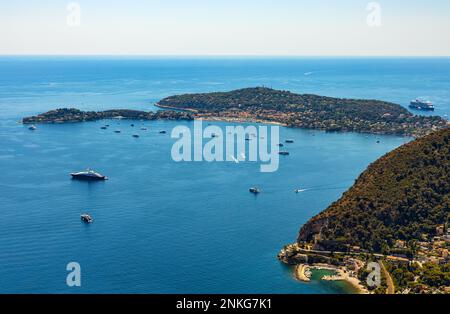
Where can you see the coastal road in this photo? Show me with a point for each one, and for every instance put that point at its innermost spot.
(390, 283)
(343, 253)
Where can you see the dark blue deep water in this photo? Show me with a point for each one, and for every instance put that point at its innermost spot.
(162, 226)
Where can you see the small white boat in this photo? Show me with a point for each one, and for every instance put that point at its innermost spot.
(255, 190)
(87, 218)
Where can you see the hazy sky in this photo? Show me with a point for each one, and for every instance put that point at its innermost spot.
(226, 27)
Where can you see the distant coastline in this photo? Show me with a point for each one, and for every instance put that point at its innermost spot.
(264, 105)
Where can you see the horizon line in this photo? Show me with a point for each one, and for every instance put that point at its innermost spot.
(223, 56)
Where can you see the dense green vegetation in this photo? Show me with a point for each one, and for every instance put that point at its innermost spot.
(414, 277)
(309, 111)
(363, 273)
(404, 195)
(75, 115)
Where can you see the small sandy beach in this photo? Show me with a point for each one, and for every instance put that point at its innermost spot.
(344, 276)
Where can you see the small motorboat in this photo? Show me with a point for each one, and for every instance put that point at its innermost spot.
(132, 125)
(255, 190)
(289, 141)
(118, 131)
(32, 128)
(144, 129)
(162, 132)
(135, 135)
(87, 218)
(283, 153)
(280, 145)
(104, 127)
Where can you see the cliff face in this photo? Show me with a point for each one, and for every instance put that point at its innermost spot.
(313, 229)
(404, 195)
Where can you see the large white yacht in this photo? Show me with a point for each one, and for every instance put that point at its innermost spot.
(88, 175)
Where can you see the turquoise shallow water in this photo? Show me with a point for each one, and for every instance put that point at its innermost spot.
(161, 226)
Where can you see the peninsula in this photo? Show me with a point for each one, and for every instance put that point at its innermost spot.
(397, 213)
(267, 105)
(262, 104)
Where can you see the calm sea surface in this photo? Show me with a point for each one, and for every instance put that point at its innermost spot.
(162, 226)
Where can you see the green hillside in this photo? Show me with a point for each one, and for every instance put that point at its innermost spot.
(404, 195)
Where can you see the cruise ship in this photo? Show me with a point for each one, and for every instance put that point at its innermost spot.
(88, 175)
(421, 104)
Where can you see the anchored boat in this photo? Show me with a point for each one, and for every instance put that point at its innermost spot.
(87, 218)
(255, 190)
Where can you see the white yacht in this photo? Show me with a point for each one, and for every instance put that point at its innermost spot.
(88, 175)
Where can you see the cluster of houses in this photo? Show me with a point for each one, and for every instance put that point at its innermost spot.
(437, 250)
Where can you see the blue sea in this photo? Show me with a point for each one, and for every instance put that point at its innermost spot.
(167, 227)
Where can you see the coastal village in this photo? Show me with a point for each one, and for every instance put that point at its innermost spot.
(351, 266)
